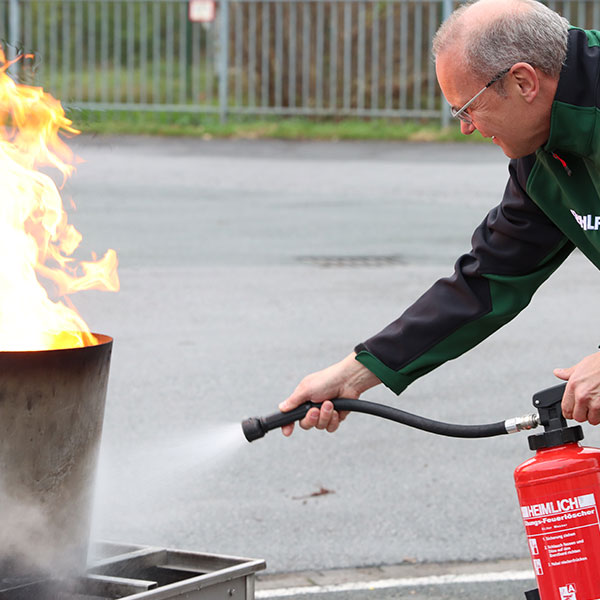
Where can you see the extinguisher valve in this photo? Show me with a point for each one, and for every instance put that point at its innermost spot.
(524, 423)
(556, 430)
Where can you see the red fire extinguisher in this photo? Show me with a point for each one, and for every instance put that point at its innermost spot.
(559, 495)
(558, 489)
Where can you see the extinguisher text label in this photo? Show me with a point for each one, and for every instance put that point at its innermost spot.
(558, 506)
(563, 518)
(558, 520)
(563, 532)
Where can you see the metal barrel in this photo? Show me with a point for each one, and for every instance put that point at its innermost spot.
(51, 415)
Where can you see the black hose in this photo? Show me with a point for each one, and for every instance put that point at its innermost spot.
(256, 427)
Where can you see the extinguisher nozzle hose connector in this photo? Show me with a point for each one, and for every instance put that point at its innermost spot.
(524, 423)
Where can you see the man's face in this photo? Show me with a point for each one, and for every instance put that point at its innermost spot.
(507, 119)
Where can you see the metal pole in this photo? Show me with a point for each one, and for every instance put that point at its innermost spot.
(264, 68)
(446, 12)
(14, 31)
(446, 9)
(223, 58)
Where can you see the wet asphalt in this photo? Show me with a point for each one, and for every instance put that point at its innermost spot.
(245, 265)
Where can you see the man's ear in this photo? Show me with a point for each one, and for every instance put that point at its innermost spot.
(526, 81)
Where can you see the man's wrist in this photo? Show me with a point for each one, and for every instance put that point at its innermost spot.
(359, 377)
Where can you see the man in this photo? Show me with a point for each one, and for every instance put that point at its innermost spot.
(516, 72)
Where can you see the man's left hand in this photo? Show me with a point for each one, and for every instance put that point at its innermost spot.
(581, 400)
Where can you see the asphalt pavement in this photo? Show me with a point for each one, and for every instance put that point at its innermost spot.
(245, 265)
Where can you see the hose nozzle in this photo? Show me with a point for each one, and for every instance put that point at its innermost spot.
(252, 428)
(255, 427)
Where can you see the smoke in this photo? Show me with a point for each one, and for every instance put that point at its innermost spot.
(35, 540)
(45, 530)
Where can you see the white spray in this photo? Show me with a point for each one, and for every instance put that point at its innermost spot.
(139, 482)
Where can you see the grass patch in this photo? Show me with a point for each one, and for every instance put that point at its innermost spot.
(209, 126)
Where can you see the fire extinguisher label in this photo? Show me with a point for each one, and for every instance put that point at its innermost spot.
(560, 527)
(563, 533)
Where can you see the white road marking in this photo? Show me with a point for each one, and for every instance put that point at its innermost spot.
(357, 586)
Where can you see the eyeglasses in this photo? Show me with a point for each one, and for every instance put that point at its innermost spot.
(465, 116)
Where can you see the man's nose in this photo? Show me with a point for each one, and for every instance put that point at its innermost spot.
(467, 128)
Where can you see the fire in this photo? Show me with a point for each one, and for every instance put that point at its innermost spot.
(36, 241)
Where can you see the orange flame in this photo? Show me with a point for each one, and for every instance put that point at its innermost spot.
(36, 241)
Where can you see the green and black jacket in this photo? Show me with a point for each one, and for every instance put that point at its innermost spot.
(551, 205)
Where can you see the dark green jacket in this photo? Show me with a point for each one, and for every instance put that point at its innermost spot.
(550, 206)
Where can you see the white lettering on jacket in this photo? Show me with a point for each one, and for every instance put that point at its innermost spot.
(587, 222)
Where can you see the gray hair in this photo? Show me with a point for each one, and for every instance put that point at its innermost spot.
(535, 35)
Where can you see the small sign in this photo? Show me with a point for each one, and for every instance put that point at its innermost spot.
(201, 11)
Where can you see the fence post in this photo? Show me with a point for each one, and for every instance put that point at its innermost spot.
(223, 59)
(14, 31)
(446, 12)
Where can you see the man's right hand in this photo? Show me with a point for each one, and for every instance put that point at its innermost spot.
(345, 379)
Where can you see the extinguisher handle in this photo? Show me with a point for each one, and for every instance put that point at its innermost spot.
(556, 431)
(549, 396)
(548, 404)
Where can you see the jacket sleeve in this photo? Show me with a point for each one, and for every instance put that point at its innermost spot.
(514, 251)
